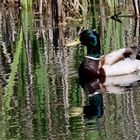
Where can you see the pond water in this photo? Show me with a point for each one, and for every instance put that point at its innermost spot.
(40, 94)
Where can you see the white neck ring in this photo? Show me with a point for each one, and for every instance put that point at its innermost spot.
(93, 58)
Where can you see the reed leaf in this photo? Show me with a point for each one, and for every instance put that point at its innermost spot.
(118, 39)
(94, 15)
(41, 80)
(26, 3)
(14, 69)
(108, 36)
(111, 4)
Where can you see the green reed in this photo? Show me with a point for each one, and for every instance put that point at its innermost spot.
(107, 36)
(111, 5)
(113, 37)
(27, 4)
(94, 15)
(14, 69)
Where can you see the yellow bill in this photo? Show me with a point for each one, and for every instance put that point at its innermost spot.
(72, 43)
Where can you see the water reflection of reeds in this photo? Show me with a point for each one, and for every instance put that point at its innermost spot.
(121, 116)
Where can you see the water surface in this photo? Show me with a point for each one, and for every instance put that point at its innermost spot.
(43, 90)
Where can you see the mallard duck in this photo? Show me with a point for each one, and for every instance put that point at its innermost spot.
(120, 62)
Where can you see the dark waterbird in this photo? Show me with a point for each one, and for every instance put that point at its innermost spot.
(114, 72)
(117, 63)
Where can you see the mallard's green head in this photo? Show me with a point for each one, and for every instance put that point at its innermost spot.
(91, 39)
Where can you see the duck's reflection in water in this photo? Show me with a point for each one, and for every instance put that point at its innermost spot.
(96, 87)
(94, 106)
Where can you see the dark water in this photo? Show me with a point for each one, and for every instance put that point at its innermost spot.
(42, 97)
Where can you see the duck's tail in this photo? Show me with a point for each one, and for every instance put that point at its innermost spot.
(135, 52)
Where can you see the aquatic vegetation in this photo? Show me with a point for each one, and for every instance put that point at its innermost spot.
(75, 8)
(14, 69)
(38, 72)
